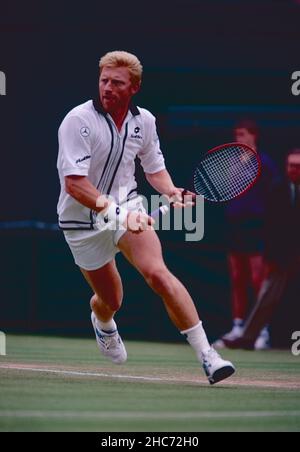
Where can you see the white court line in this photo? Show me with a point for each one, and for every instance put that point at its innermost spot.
(198, 380)
(145, 414)
(90, 374)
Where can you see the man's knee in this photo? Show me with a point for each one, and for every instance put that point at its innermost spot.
(160, 280)
(115, 304)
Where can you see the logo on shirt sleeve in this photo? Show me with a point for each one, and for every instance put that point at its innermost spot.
(86, 157)
(84, 132)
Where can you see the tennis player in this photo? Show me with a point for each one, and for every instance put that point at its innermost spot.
(98, 143)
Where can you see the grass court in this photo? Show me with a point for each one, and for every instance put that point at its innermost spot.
(64, 384)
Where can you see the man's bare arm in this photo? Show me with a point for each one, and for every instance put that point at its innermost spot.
(162, 182)
(81, 189)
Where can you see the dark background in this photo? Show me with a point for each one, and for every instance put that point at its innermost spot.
(206, 65)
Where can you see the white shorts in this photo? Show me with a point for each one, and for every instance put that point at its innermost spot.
(94, 249)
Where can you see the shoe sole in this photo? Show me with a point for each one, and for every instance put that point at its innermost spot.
(221, 374)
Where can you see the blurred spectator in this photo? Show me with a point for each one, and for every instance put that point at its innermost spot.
(245, 218)
(282, 253)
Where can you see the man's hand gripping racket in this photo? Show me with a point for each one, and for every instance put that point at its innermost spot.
(179, 199)
(224, 173)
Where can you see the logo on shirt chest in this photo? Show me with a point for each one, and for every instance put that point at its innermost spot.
(84, 132)
(136, 135)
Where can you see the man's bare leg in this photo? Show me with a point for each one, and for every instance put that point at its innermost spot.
(108, 291)
(107, 299)
(143, 251)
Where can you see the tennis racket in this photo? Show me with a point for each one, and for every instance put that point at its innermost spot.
(224, 173)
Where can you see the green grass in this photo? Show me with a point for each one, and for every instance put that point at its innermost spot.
(174, 395)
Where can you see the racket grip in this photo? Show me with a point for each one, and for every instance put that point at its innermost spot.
(163, 210)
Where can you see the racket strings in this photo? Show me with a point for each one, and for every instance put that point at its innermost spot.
(231, 173)
(226, 173)
(233, 178)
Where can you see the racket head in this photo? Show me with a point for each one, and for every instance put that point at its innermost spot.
(227, 172)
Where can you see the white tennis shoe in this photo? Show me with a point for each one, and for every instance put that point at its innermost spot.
(216, 368)
(110, 344)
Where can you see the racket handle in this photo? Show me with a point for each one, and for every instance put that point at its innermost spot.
(163, 210)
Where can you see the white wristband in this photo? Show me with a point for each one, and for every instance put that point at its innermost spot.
(113, 217)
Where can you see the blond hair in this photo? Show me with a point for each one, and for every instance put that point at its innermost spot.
(119, 58)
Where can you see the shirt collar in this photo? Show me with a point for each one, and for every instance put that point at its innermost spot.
(99, 107)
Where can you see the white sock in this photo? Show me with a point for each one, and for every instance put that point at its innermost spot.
(196, 337)
(107, 327)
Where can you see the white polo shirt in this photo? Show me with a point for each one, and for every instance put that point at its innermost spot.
(91, 145)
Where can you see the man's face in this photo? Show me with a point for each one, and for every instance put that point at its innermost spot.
(116, 88)
(293, 168)
(244, 136)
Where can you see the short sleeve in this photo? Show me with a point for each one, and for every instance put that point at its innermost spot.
(74, 139)
(151, 156)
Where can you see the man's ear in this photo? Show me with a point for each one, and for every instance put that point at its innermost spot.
(135, 87)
